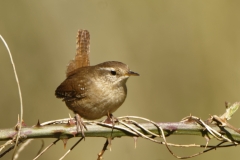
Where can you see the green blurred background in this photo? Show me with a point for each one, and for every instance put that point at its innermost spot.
(187, 53)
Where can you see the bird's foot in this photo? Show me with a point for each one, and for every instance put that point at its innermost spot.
(111, 119)
(80, 124)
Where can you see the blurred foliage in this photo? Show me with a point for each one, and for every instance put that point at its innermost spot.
(187, 53)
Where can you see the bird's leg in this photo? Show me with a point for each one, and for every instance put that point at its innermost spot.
(80, 124)
(111, 119)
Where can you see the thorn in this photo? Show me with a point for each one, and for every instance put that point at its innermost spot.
(227, 104)
(70, 122)
(23, 123)
(18, 124)
(65, 140)
(74, 134)
(16, 127)
(135, 142)
(38, 124)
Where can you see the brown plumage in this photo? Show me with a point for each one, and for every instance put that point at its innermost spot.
(92, 92)
(95, 91)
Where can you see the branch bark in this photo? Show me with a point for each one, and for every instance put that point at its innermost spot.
(98, 129)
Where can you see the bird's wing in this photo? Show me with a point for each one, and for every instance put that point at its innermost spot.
(71, 89)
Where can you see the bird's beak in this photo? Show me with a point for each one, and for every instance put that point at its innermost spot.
(131, 73)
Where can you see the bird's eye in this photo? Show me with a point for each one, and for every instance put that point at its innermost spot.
(113, 73)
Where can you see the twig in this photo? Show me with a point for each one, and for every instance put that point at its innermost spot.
(143, 128)
(5, 145)
(71, 148)
(46, 149)
(103, 150)
(21, 148)
(127, 127)
(9, 149)
(19, 92)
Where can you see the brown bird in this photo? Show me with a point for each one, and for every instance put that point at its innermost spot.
(92, 92)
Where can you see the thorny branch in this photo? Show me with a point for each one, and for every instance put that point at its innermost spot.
(215, 127)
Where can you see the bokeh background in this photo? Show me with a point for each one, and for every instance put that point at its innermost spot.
(187, 53)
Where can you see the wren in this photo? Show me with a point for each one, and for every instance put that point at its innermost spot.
(92, 92)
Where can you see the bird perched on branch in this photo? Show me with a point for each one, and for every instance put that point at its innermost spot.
(92, 92)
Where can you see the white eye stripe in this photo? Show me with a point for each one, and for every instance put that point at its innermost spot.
(108, 69)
